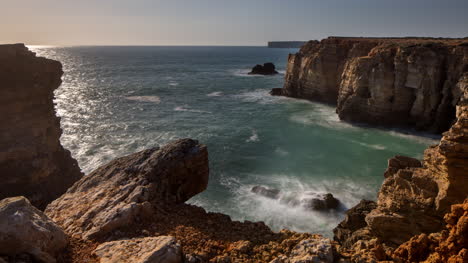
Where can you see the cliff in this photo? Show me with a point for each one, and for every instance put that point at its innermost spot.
(382, 81)
(413, 200)
(286, 44)
(32, 161)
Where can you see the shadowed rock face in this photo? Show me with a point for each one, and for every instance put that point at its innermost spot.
(130, 188)
(412, 200)
(387, 82)
(32, 161)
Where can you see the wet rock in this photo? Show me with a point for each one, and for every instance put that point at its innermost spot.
(266, 69)
(267, 192)
(32, 161)
(129, 189)
(321, 202)
(276, 92)
(162, 249)
(25, 230)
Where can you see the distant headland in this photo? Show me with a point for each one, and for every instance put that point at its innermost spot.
(286, 44)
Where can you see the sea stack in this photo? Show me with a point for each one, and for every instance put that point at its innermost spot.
(266, 69)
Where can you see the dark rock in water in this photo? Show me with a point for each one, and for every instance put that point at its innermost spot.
(346, 232)
(321, 202)
(266, 69)
(267, 192)
(276, 92)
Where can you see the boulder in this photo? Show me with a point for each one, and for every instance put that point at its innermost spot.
(128, 189)
(266, 69)
(321, 202)
(162, 249)
(26, 230)
(276, 92)
(266, 192)
(32, 161)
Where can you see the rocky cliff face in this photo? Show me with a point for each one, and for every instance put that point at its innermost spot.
(413, 199)
(388, 82)
(32, 161)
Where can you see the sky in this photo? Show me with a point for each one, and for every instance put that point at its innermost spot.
(223, 22)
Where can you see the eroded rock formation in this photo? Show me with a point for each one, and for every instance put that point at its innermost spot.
(131, 188)
(32, 161)
(412, 200)
(266, 69)
(387, 82)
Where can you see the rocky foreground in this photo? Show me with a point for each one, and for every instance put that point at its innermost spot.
(133, 208)
(414, 82)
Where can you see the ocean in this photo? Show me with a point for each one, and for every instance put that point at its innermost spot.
(118, 100)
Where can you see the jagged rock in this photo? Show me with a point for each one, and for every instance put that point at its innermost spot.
(162, 249)
(129, 189)
(26, 230)
(266, 69)
(450, 245)
(413, 201)
(309, 251)
(400, 162)
(32, 161)
(388, 82)
(321, 202)
(346, 233)
(267, 192)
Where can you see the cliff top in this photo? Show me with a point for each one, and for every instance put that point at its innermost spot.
(403, 40)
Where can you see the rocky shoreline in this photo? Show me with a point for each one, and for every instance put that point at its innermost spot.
(133, 208)
(412, 82)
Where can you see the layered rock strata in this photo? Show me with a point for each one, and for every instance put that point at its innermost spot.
(412, 200)
(387, 82)
(32, 161)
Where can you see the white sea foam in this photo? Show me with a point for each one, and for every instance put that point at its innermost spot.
(373, 146)
(281, 151)
(215, 94)
(184, 108)
(153, 99)
(173, 83)
(253, 137)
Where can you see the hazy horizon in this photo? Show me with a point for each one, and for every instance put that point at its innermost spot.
(223, 23)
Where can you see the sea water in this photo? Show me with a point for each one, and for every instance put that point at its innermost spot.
(118, 100)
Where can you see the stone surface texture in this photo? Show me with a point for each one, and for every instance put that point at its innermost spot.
(162, 249)
(130, 188)
(383, 81)
(26, 230)
(32, 161)
(413, 200)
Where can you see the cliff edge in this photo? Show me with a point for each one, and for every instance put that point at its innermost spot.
(382, 81)
(33, 163)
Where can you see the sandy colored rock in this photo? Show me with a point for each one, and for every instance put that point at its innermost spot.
(32, 161)
(162, 249)
(131, 188)
(26, 230)
(384, 81)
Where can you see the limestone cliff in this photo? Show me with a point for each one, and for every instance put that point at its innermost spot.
(412, 200)
(32, 161)
(388, 82)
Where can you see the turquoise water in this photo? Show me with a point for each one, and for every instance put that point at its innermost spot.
(119, 100)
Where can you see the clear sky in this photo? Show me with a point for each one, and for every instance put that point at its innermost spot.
(223, 22)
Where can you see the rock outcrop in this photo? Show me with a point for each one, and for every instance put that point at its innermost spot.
(162, 249)
(266, 69)
(26, 232)
(130, 188)
(32, 161)
(413, 200)
(386, 82)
